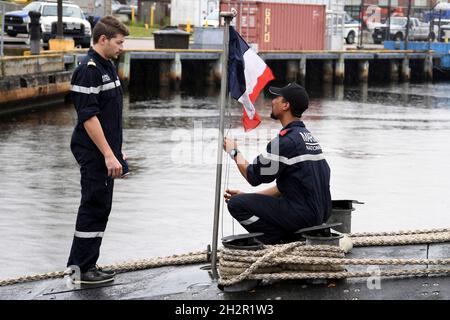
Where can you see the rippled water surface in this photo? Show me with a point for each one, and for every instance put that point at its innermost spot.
(387, 146)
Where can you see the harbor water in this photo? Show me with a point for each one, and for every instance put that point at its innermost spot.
(387, 147)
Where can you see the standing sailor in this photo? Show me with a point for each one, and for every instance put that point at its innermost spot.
(301, 197)
(97, 144)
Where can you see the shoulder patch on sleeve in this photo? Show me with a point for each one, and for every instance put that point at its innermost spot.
(283, 132)
(91, 63)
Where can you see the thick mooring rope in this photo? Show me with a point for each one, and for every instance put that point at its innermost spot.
(181, 259)
(401, 238)
(290, 261)
(323, 262)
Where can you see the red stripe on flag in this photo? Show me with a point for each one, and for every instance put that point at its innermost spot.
(261, 83)
(248, 123)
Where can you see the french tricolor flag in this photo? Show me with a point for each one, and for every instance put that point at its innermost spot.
(248, 75)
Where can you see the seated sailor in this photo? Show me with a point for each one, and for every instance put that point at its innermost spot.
(301, 197)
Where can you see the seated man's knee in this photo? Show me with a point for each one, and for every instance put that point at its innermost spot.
(235, 206)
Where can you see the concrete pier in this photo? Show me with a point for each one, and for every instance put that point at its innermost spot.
(394, 70)
(292, 67)
(406, 70)
(173, 68)
(30, 80)
(328, 71)
(123, 68)
(302, 71)
(164, 73)
(428, 68)
(363, 71)
(214, 74)
(175, 71)
(339, 70)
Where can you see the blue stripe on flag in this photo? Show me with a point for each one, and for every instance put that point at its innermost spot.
(236, 64)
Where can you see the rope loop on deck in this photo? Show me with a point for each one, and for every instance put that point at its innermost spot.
(298, 261)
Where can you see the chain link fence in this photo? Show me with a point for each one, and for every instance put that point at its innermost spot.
(372, 22)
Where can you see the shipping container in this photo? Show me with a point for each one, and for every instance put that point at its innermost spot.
(280, 25)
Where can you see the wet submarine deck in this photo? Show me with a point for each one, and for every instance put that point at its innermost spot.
(190, 282)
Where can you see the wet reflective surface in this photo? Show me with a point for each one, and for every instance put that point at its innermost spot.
(386, 146)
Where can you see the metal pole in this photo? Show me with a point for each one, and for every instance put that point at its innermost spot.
(228, 16)
(388, 32)
(240, 17)
(361, 31)
(407, 25)
(439, 25)
(3, 26)
(431, 24)
(59, 25)
(108, 8)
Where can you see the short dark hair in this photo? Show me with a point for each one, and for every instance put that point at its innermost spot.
(110, 27)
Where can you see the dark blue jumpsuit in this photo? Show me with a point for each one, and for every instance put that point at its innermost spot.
(96, 91)
(295, 159)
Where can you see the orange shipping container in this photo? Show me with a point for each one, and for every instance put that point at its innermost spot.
(279, 26)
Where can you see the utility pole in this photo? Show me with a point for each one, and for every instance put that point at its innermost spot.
(138, 13)
(361, 31)
(59, 25)
(108, 9)
(408, 25)
(388, 33)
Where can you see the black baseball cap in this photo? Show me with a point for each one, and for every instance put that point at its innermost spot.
(295, 94)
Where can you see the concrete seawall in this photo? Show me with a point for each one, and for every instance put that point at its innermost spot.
(27, 81)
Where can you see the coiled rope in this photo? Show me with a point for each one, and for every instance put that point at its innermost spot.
(290, 261)
(298, 261)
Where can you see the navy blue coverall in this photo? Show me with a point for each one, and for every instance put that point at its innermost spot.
(96, 91)
(295, 159)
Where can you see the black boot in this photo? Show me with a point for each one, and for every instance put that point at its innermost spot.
(94, 276)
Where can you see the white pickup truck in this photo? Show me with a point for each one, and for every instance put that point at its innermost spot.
(417, 31)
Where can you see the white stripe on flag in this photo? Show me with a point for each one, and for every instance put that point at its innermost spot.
(254, 67)
(248, 105)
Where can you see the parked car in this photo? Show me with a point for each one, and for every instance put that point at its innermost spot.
(417, 30)
(75, 25)
(444, 29)
(16, 22)
(123, 7)
(351, 29)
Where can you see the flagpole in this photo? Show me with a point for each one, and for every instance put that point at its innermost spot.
(228, 16)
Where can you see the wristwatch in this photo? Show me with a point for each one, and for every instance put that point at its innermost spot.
(233, 153)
